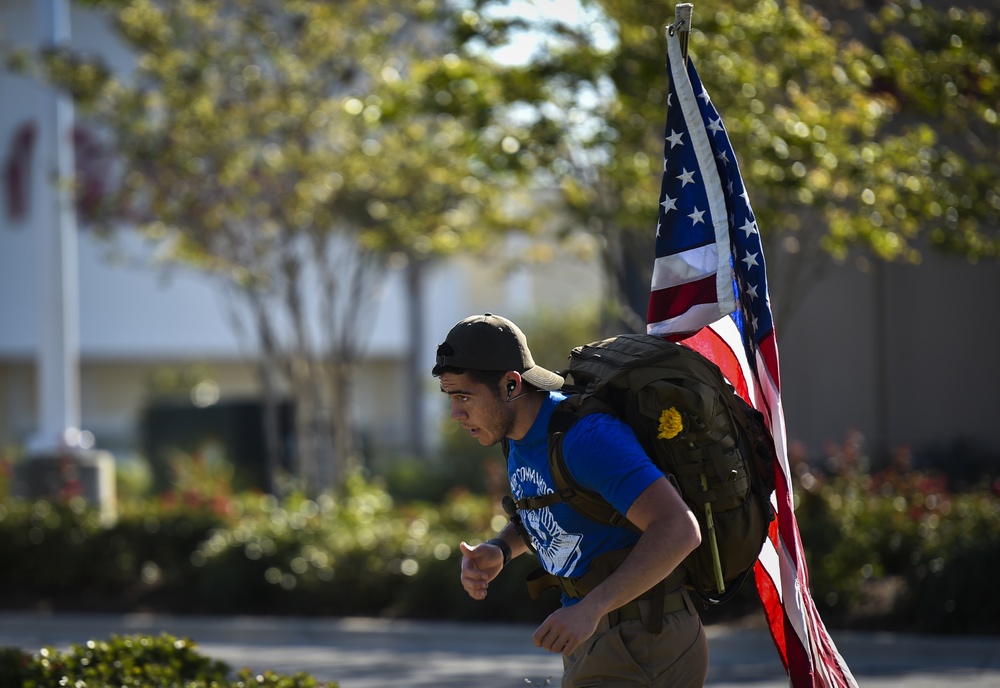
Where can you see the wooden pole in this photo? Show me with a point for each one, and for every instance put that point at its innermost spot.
(682, 25)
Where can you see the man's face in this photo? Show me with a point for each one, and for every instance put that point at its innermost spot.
(477, 408)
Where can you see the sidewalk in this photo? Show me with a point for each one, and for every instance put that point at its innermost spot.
(376, 653)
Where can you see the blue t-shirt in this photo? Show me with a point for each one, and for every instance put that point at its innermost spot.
(603, 455)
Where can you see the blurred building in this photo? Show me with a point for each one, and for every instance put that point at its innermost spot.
(903, 355)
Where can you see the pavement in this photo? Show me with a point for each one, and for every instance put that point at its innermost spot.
(380, 653)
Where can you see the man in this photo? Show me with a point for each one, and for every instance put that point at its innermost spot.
(625, 619)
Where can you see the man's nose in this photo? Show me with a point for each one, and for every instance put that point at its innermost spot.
(456, 411)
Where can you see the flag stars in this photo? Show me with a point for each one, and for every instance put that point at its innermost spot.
(675, 139)
(698, 216)
(669, 204)
(704, 95)
(749, 227)
(686, 177)
(715, 126)
(750, 259)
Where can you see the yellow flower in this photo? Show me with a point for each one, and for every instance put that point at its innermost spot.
(671, 424)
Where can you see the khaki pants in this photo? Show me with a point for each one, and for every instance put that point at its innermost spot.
(627, 655)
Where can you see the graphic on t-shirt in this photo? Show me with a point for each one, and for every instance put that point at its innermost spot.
(558, 550)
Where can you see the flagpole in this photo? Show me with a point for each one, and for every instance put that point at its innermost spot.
(682, 25)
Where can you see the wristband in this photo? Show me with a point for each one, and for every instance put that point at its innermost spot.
(504, 547)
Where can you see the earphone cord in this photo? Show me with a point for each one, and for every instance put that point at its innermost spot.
(523, 394)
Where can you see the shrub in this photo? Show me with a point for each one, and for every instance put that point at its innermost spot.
(135, 661)
(360, 554)
(61, 550)
(927, 551)
(953, 570)
(904, 533)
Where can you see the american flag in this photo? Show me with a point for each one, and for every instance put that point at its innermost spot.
(709, 292)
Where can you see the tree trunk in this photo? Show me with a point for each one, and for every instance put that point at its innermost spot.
(416, 363)
(270, 407)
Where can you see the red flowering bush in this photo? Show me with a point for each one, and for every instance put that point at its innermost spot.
(898, 547)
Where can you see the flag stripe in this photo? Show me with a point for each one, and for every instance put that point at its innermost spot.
(716, 345)
(683, 322)
(685, 266)
(671, 302)
(718, 304)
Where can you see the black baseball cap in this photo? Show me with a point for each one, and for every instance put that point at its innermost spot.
(492, 342)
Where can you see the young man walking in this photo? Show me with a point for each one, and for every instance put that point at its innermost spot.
(625, 618)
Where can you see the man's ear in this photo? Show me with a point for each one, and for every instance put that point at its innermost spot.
(510, 383)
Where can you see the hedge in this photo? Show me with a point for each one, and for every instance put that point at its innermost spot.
(135, 662)
(892, 551)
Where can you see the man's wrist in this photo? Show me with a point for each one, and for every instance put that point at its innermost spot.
(504, 547)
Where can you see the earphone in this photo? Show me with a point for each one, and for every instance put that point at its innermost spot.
(512, 385)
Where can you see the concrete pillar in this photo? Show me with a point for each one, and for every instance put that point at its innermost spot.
(61, 460)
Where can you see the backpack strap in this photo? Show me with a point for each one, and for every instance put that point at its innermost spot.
(585, 501)
(567, 489)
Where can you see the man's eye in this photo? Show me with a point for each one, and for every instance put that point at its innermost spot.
(463, 399)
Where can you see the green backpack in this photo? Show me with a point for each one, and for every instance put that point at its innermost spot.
(696, 428)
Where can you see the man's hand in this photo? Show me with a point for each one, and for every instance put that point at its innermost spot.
(480, 565)
(564, 629)
(669, 533)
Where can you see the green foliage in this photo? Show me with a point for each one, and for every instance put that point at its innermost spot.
(354, 556)
(61, 549)
(893, 549)
(903, 533)
(463, 465)
(292, 147)
(246, 124)
(945, 65)
(851, 128)
(139, 661)
(956, 566)
(359, 554)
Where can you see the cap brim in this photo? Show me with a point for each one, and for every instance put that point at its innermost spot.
(543, 379)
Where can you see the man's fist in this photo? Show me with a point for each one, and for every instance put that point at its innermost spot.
(480, 565)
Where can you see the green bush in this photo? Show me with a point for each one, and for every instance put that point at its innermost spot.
(904, 535)
(60, 550)
(329, 556)
(135, 662)
(897, 549)
(952, 573)
(360, 554)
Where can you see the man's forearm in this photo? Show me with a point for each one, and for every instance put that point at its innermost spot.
(510, 535)
(657, 553)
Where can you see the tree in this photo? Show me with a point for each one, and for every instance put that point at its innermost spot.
(281, 144)
(266, 139)
(823, 125)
